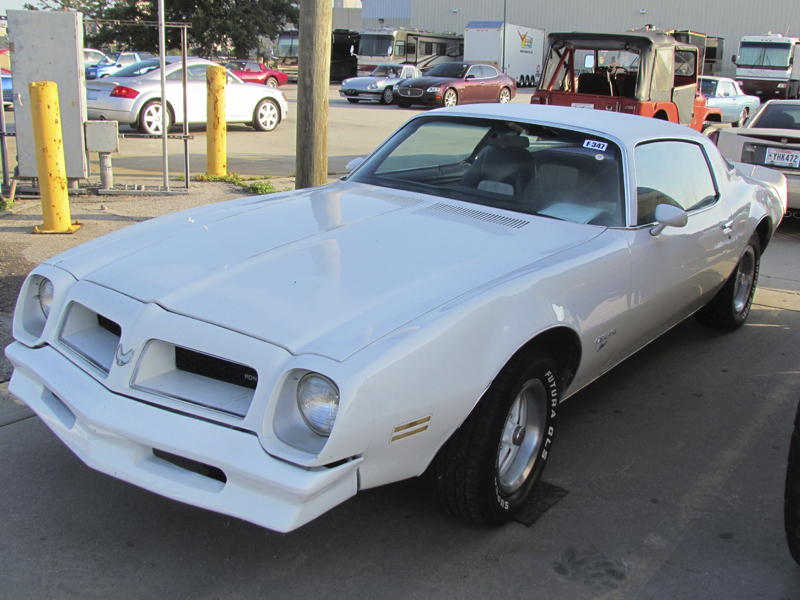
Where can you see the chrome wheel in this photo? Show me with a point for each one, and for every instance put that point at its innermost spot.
(522, 437)
(266, 116)
(387, 96)
(152, 120)
(745, 278)
(505, 96)
(450, 98)
(272, 82)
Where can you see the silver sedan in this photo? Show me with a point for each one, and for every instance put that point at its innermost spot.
(132, 96)
(378, 85)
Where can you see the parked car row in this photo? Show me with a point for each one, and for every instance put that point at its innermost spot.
(132, 95)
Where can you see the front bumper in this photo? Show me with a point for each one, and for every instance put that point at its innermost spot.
(117, 435)
(361, 95)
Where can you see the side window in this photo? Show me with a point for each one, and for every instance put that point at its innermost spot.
(197, 73)
(474, 71)
(726, 88)
(400, 49)
(441, 49)
(488, 71)
(412, 49)
(675, 173)
(427, 48)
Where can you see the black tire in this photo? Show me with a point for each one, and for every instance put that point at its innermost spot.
(353, 100)
(791, 495)
(403, 104)
(478, 475)
(271, 82)
(728, 310)
(266, 115)
(387, 96)
(151, 120)
(450, 98)
(742, 119)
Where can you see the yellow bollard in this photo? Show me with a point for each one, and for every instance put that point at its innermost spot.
(216, 127)
(50, 165)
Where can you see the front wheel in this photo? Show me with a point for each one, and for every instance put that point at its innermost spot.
(266, 115)
(450, 98)
(729, 308)
(151, 120)
(487, 469)
(271, 82)
(505, 96)
(387, 97)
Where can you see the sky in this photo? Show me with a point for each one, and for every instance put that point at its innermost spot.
(12, 5)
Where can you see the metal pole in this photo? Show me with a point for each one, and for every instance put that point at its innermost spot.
(164, 111)
(185, 111)
(505, 31)
(3, 148)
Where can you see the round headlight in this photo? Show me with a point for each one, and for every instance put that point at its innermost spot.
(46, 296)
(318, 400)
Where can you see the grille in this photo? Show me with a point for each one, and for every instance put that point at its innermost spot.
(410, 92)
(351, 92)
(480, 215)
(215, 368)
(93, 336)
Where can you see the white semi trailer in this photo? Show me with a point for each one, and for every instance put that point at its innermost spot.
(514, 49)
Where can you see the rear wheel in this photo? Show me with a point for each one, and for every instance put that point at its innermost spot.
(151, 120)
(487, 469)
(266, 115)
(271, 82)
(450, 98)
(730, 307)
(353, 100)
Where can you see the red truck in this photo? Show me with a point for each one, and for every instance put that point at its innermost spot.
(640, 72)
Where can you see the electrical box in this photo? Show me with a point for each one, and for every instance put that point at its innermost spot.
(102, 136)
(47, 45)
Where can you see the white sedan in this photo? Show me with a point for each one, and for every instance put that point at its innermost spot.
(132, 96)
(269, 357)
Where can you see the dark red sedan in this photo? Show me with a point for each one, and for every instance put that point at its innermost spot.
(452, 83)
(256, 72)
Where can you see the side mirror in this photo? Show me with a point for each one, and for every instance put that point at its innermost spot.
(669, 216)
(352, 50)
(354, 164)
(468, 77)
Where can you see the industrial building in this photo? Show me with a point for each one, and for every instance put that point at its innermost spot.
(729, 19)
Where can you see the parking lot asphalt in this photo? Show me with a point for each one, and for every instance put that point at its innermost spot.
(673, 464)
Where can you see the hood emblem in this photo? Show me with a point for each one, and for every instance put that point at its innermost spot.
(784, 140)
(122, 357)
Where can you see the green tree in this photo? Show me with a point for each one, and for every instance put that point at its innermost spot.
(216, 24)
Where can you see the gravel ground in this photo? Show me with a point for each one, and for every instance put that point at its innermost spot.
(21, 250)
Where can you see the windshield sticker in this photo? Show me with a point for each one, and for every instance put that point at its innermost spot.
(599, 156)
(595, 145)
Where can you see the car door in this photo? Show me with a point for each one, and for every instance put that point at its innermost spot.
(490, 84)
(675, 272)
(196, 95)
(727, 101)
(472, 82)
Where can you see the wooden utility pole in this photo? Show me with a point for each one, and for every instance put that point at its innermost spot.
(313, 81)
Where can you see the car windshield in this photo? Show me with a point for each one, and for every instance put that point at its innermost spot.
(386, 71)
(708, 87)
(778, 116)
(455, 70)
(138, 69)
(516, 166)
(375, 45)
(287, 45)
(764, 54)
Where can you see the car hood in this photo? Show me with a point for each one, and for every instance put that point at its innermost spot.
(324, 271)
(426, 82)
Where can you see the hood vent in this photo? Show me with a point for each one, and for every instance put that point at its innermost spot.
(393, 198)
(480, 215)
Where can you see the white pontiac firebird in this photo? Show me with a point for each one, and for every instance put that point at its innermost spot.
(269, 357)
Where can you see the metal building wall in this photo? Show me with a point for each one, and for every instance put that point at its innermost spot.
(730, 19)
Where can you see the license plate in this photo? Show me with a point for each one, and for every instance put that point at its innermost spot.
(92, 94)
(783, 158)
